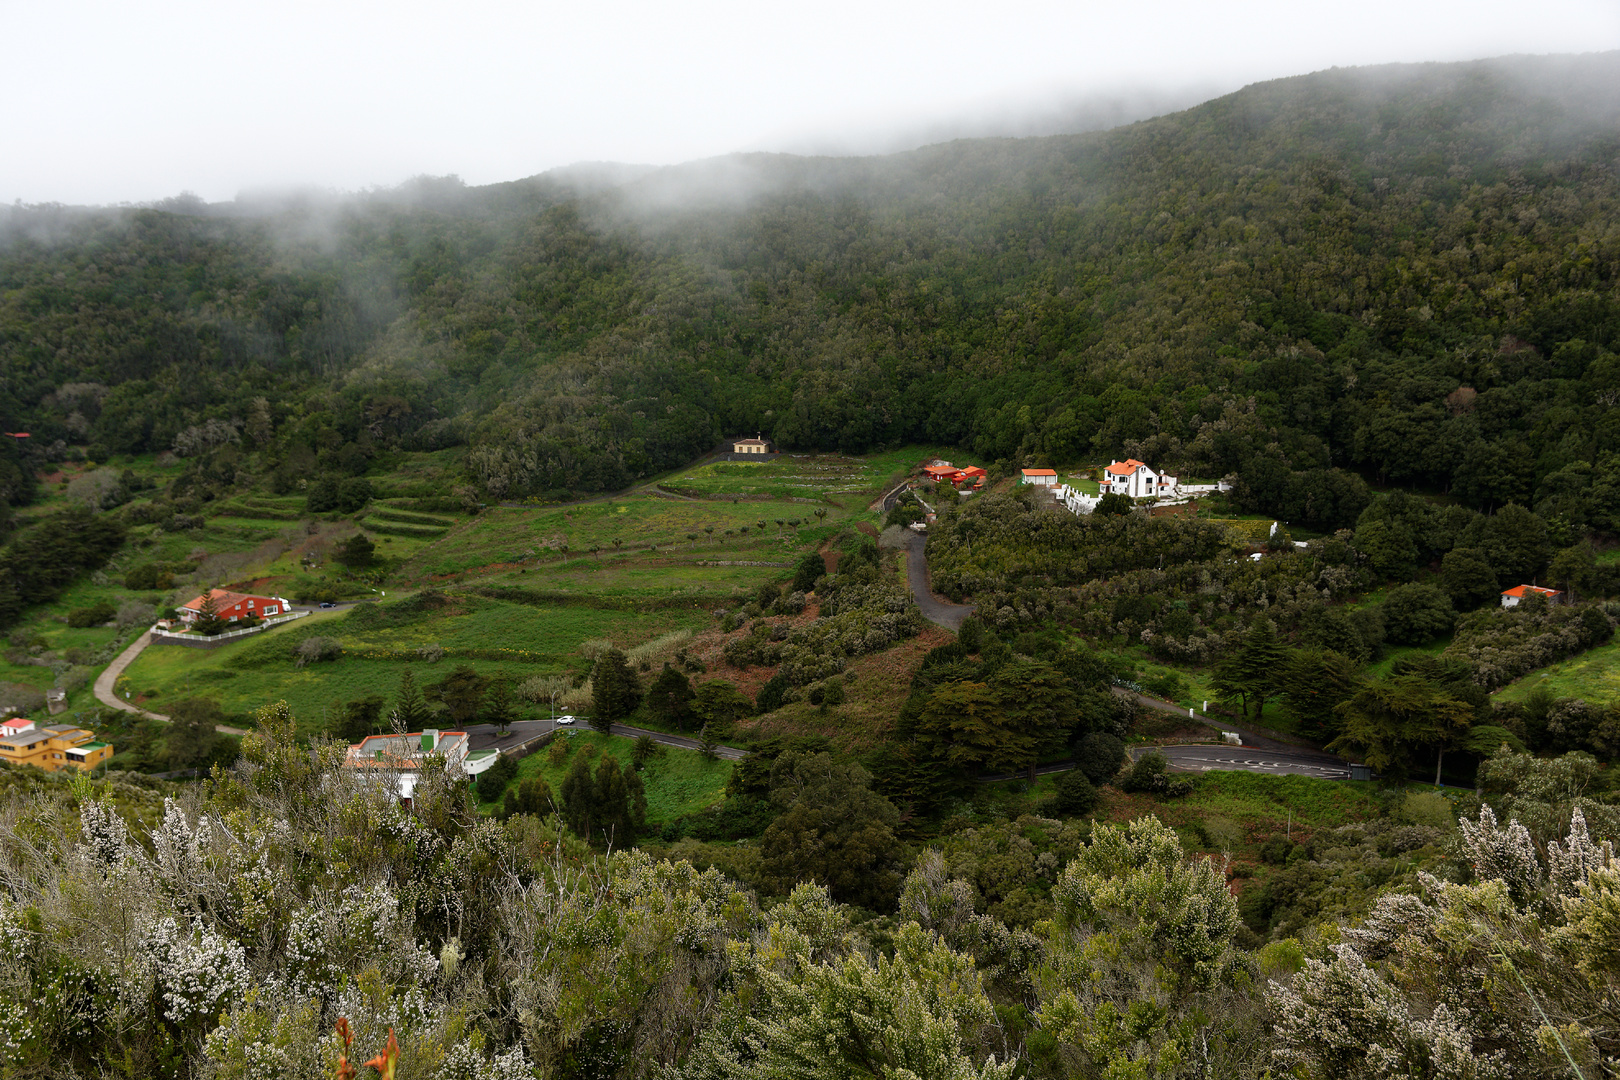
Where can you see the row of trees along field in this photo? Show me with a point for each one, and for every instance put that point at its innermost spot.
(1404, 274)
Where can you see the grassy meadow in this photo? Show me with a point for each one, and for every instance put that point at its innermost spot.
(1593, 675)
(677, 781)
(519, 591)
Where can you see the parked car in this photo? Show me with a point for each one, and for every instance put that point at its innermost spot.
(327, 604)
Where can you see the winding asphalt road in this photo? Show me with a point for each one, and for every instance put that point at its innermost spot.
(935, 610)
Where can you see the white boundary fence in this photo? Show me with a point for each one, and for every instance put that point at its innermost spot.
(198, 641)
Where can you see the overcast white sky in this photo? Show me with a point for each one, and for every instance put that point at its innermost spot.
(112, 101)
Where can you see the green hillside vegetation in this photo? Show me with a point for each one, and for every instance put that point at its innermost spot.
(677, 782)
(480, 420)
(1280, 283)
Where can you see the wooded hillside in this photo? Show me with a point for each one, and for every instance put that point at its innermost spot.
(1406, 271)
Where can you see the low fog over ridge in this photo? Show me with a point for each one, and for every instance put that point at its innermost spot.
(1584, 86)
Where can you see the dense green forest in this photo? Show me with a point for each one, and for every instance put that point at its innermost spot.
(1406, 273)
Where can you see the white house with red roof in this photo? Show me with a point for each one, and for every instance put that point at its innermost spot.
(1512, 597)
(1040, 477)
(234, 606)
(16, 725)
(1136, 479)
(403, 757)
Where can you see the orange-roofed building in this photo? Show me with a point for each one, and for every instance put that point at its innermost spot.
(232, 606)
(1512, 597)
(1041, 477)
(1136, 479)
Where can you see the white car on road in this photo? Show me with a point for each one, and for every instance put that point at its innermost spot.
(565, 719)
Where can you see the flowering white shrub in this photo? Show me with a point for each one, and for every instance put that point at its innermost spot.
(463, 1062)
(105, 839)
(199, 973)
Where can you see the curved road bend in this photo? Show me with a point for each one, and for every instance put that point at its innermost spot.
(1203, 757)
(107, 679)
(935, 610)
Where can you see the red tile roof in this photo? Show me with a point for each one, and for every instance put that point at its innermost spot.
(1126, 467)
(224, 598)
(1518, 591)
(1040, 472)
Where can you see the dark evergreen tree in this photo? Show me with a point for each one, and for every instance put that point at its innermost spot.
(208, 622)
(1248, 676)
(811, 568)
(461, 693)
(1099, 755)
(190, 738)
(718, 706)
(578, 800)
(410, 710)
(1468, 578)
(500, 707)
(357, 552)
(670, 698)
(613, 690)
(359, 718)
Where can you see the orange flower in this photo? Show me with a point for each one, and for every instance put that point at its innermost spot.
(386, 1062)
(345, 1071)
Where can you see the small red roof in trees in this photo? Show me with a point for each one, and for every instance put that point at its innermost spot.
(1518, 591)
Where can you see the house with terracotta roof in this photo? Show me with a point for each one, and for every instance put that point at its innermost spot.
(60, 746)
(404, 758)
(1512, 597)
(1135, 479)
(756, 445)
(1040, 477)
(234, 606)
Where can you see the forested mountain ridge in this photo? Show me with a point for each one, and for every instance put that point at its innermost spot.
(1407, 271)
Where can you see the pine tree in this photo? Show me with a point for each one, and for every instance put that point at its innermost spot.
(613, 821)
(613, 691)
(208, 621)
(356, 553)
(670, 699)
(578, 793)
(410, 710)
(500, 709)
(1250, 676)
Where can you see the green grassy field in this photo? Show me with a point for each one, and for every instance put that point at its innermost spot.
(677, 781)
(677, 559)
(1593, 675)
(251, 672)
